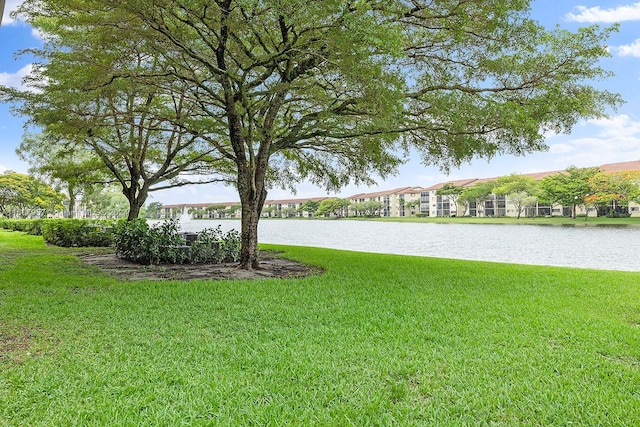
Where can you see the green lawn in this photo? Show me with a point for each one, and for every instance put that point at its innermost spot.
(376, 340)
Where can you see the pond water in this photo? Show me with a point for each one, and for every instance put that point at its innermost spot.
(604, 247)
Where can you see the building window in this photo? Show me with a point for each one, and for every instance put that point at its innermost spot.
(501, 204)
(424, 202)
(489, 209)
(544, 210)
(387, 205)
(473, 209)
(443, 206)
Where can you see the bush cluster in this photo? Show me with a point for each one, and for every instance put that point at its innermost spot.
(64, 232)
(29, 226)
(77, 232)
(141, 243)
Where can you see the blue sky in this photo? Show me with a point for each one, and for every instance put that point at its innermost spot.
(591, 143)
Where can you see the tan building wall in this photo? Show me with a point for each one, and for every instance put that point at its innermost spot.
(394, 202)
(409, 201)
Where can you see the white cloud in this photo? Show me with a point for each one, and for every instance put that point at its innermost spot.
(615, 139)
(632, 49)
(596, 14)
(10, 6)
(560, 148)
(594, 151)
(37, 34)
(15, 79)
(205, 193)
(621, 126)
(3, 169)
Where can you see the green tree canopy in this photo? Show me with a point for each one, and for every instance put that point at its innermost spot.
(370, 207)
(68, 167)
(311, 206)
(477, 194)
(81, 101)
(567, 188)
(329, 91)
(154, 210)
(333, 207)
(515, 183)
(451, 190)
(617, 188)
(24, 196)
(519, 189)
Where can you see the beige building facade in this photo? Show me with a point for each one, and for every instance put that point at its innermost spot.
(402, 202)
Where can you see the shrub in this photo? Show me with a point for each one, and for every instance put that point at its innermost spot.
(34, 227)
(29, 226)
(15, 224)
(76, 232)
(231, 244)
(134, 241)
(206, 248)
(214, 246)
(7, 224)
(170, 243)
(163, 243)
(614, 214)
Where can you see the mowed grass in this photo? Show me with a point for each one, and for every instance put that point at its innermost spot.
(375, 340)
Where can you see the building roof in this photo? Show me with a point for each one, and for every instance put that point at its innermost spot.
(268, 202)
(400, 190)
(609, 167)
(457, 183)
(295, 201)
(621, 167)
(540, 175)
(199, 205)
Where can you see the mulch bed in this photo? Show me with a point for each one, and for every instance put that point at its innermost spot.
(271, 266)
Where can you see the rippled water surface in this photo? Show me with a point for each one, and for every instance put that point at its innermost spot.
(605, 248)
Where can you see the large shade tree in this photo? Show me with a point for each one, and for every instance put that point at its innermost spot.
(614, 189)
(478, 194)
(520, 189)
(332, 91)
(66, 166)
(82, 97)
(568, 188)
(25, 196)
(453, 192)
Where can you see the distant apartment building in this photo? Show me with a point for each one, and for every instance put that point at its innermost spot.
(201, 210)
(501, 205)
(433, 204)
(286, 208)
(289, 208)
(399, 202)
(403, 201)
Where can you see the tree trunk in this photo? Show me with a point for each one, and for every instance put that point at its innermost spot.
(134, 210)
(136, 197)
(252, 203)
(72, 200)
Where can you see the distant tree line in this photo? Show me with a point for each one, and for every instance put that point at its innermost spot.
(586, 188)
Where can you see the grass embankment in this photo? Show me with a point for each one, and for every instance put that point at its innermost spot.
(376, 340)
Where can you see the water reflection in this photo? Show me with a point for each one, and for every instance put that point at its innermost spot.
(605, 248)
